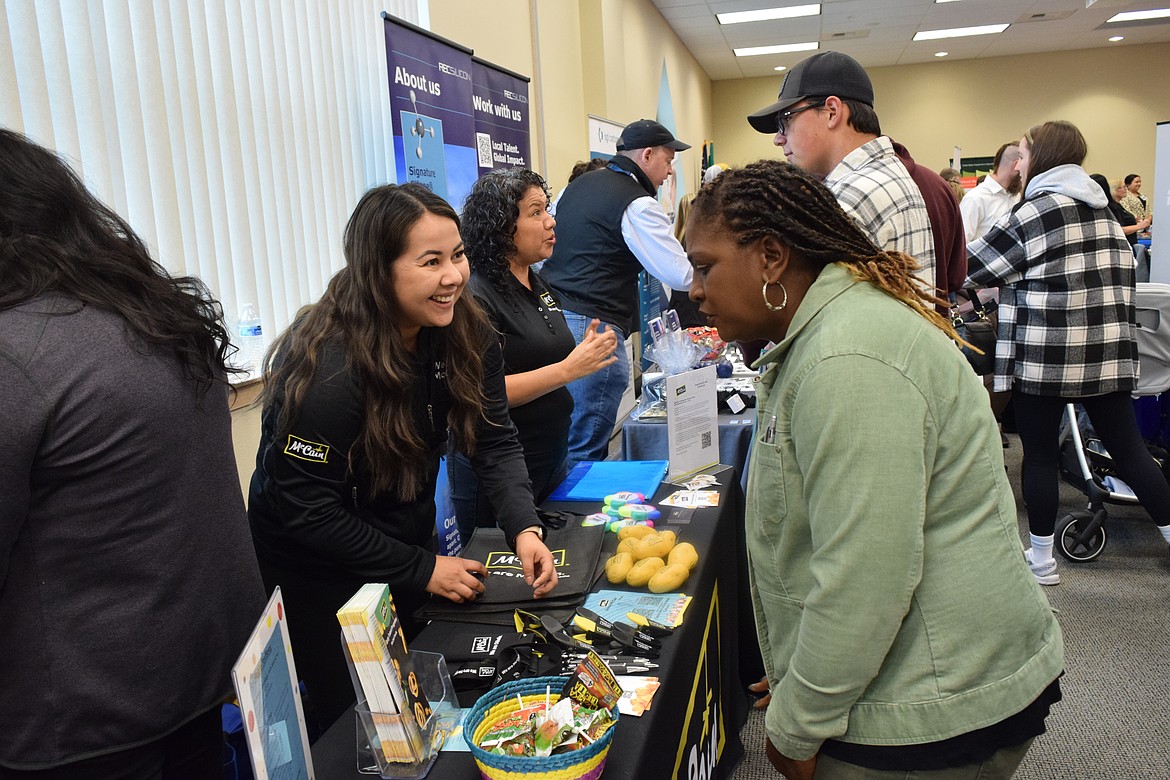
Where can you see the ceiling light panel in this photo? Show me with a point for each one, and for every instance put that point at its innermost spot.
(1139, 16)
(767, 14)
(784, 48)
(959, 32)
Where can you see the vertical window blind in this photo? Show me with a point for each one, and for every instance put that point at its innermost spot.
(234, 136)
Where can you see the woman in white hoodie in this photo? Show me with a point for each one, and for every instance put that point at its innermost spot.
(1066, 334)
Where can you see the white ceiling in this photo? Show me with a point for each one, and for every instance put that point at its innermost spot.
(880, 32)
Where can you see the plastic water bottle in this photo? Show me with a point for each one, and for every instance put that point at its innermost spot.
(250, 340)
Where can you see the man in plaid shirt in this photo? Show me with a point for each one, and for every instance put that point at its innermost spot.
(840, 140)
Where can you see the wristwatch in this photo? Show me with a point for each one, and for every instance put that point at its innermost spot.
(536, 529)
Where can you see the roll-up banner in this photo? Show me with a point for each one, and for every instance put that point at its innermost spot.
(603, 136)
(500, 105)
(431, 110)
(1160, 202)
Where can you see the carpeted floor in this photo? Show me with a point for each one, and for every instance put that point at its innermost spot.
(1114, 722)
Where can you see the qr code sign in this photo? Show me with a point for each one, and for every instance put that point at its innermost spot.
(483, 146)
(705, 440)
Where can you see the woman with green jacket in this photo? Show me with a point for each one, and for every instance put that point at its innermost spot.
(900, 626)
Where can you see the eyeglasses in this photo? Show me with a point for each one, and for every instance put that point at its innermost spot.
(784, 117)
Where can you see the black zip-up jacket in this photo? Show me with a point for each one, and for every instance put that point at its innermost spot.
(310, 511)
(591, 270)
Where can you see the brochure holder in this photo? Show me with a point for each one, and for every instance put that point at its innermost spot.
(436, 681)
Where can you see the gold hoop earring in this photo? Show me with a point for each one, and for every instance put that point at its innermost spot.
(768, 303)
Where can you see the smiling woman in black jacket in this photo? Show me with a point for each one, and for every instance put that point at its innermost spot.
(362, 393)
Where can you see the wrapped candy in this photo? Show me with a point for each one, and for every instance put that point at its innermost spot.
(708, 339)
(536, 731)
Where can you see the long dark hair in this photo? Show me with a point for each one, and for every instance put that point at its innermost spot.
(771, 198)
(359, 309)
(55, 236)
(489, 220)
(1115, 208)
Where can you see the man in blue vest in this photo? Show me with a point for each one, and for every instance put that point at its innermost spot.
(610, 226)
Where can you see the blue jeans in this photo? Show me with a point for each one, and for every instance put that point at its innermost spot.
(595, 399)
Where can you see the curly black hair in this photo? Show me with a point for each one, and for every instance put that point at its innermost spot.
(489, 220)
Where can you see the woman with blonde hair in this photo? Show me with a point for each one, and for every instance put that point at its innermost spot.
(954, 180)
(688, 313)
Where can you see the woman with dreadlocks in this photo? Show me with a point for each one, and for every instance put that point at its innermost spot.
(900, 627)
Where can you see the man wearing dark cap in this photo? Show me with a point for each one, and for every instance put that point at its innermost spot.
(825, 122)
(609, 227)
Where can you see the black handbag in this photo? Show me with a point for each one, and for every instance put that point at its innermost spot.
(978, 329)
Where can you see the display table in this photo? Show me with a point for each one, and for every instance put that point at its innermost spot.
(692, 728)
(647, 441)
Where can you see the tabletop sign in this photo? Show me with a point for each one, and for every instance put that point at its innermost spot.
(270, 702)
(692, 421)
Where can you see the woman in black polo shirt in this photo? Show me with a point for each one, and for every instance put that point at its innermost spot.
(506, 228)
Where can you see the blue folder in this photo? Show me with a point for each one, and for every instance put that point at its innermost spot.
(594, 480)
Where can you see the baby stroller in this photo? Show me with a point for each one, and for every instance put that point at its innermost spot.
(1080, 535)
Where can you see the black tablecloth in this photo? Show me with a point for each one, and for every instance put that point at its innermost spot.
(697, 713)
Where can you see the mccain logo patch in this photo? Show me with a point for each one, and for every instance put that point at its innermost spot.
(549, 301)
(304, 449)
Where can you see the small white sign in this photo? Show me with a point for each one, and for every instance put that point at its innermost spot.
(735, 403)
(692, 421)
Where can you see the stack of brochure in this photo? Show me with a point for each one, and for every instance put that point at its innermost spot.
(388, 683)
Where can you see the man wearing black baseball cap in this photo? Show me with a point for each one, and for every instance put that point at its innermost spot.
(610, 226)
(825, 121)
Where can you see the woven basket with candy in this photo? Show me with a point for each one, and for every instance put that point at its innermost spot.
(708, 339)
(551, 728)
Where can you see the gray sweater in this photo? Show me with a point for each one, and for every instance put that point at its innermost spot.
(128, 582)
